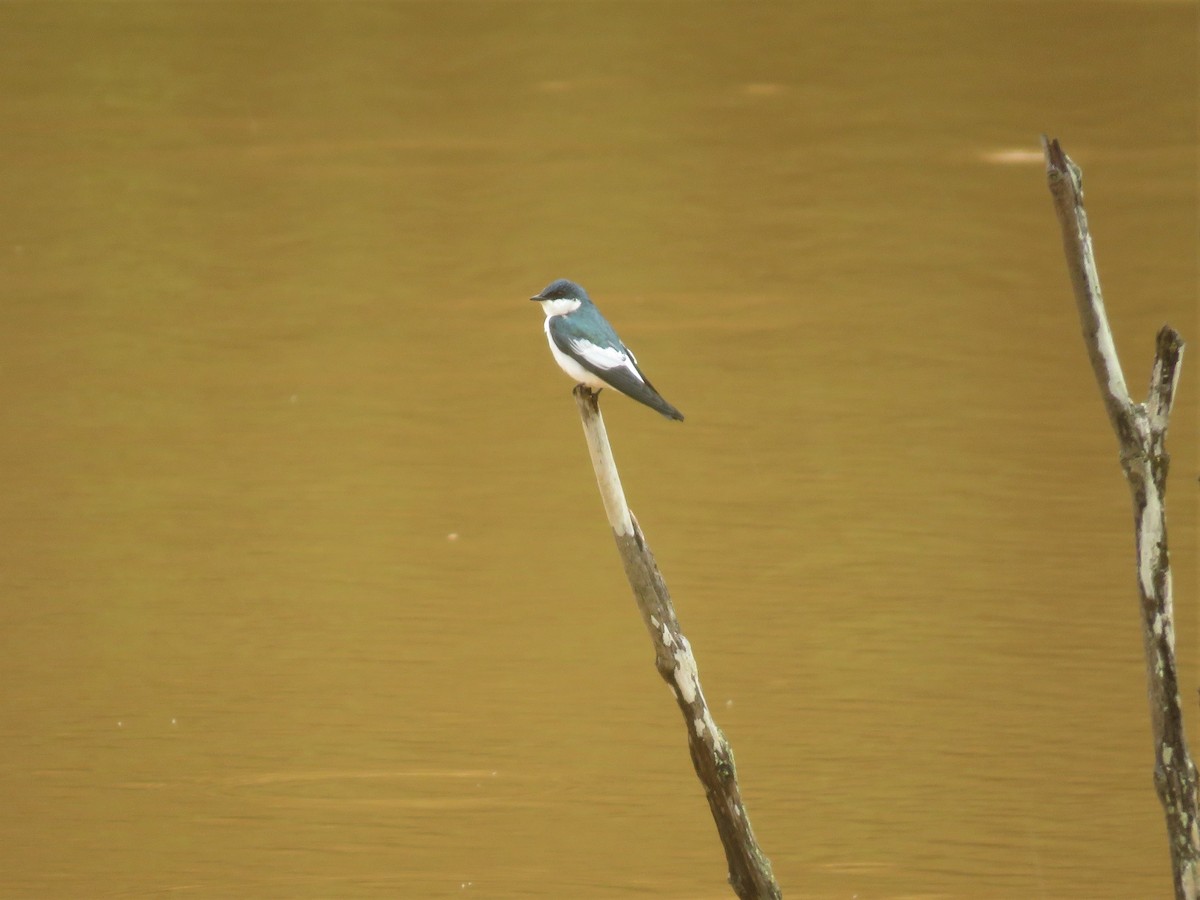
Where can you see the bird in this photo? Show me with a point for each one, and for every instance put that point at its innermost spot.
(587, 348)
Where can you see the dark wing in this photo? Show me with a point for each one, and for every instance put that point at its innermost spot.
(609, 359)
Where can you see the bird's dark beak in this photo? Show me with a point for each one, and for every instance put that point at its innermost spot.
(537, 299)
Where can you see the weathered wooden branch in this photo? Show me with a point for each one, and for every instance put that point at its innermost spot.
(1141, 431)
(749, 869)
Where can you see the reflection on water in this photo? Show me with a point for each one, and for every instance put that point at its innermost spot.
(308, 590)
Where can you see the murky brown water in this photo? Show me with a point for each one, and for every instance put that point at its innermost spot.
(307, 590)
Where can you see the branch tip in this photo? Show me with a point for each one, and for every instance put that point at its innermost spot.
(1168, 342)
(1058, 164)
(584, 394)
(1060, 167)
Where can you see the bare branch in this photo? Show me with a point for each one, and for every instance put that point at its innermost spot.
(1141, 431)
(750, 873)
(1066, 187)
(1168, 354)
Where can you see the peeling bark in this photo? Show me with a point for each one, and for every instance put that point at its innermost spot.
(750, 873)
(1141, 430)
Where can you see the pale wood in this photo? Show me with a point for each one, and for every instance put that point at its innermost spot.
(750, 873)
(1141, 432)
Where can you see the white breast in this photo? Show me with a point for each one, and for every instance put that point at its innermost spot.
(569, 365)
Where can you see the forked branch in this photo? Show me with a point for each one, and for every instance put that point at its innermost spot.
(1141, 432)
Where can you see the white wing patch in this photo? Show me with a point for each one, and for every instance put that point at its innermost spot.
(607, 358)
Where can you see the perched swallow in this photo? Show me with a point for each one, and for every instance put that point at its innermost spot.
(587, 349)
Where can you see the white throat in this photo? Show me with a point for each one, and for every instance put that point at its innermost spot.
(560, 306)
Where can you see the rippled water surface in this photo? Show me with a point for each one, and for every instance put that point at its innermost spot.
(306, 588)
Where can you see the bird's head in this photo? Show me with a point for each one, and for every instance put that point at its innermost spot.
(561, 297)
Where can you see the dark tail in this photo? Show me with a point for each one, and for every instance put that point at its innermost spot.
(642, 391)
(667, 410)
(653, 399)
